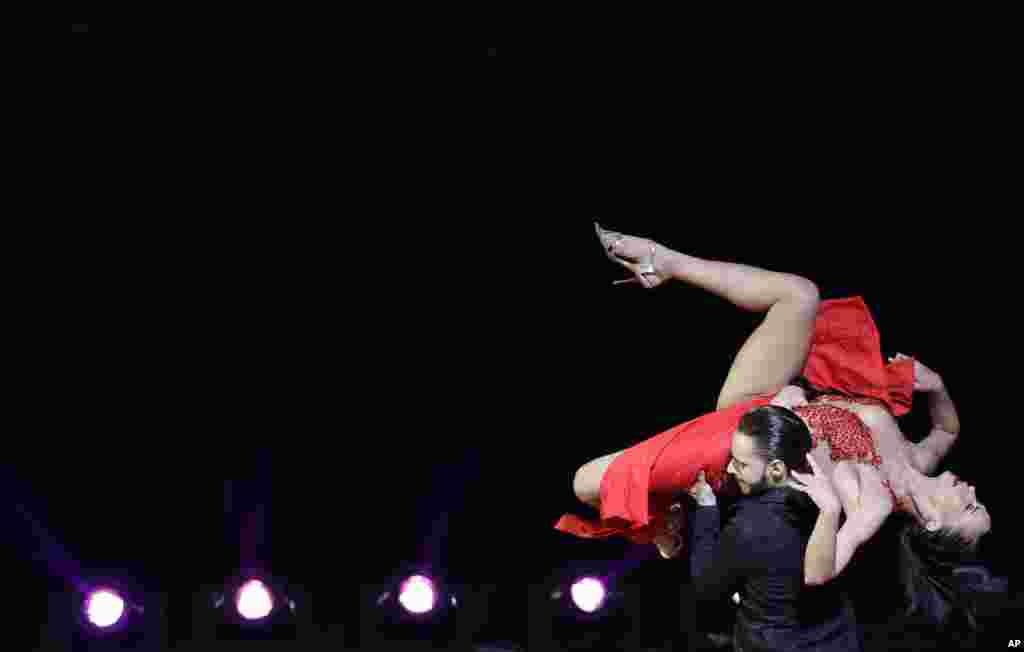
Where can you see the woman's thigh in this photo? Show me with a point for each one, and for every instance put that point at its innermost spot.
(587, 483)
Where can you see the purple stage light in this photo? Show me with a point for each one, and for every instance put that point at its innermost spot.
(104, 608)
(254, 601)
(588, 594)
(417, 595)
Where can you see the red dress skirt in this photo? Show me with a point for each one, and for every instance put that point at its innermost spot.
(639, 485)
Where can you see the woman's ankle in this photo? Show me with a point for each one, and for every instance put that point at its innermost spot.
(671, 264)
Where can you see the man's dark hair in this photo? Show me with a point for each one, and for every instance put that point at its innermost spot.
(778, 434)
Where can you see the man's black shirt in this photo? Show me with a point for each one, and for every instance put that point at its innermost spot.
(760, 554)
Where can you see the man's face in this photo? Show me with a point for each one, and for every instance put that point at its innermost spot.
(746, 466)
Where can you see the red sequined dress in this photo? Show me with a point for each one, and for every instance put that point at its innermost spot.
(843, 430)
(845, 357)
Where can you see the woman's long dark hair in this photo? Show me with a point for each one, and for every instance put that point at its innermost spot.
(940, 570)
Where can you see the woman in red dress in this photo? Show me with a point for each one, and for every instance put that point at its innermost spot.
(621, 484)
(834, 348)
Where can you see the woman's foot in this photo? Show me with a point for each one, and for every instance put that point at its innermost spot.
(668, 539)
(644, 258)
(669, 546)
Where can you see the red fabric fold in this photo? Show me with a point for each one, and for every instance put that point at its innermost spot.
(645, 478)
(846, 355)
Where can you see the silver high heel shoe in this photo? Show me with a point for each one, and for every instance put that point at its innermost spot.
(643, 270)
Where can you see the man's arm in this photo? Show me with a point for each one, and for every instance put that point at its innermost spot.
(716, 562)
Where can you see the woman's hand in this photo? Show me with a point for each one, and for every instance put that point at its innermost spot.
(790, 396)
(702, 492)
(818, 486)
(925, 380)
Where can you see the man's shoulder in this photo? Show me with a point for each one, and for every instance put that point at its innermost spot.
(768, 500)
(775, 506)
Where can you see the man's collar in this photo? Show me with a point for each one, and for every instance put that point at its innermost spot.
(772, 495)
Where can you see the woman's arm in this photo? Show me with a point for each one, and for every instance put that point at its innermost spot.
(823, 546)
(866, 506)
(926, 454)
(820, 558)
(857, 529)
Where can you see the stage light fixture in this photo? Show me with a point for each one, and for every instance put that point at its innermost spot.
(417, 595)
(576, 608)
(415, 605)
(252, 605)
(253, 600)
(588, 594)
(103, 608)
(105, 613)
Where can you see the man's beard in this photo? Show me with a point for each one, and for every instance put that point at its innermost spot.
(760, 486)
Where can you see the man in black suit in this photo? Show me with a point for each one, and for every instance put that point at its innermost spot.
(759, 553)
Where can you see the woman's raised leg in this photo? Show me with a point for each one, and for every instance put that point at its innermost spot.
(587, 482)
(776, 351)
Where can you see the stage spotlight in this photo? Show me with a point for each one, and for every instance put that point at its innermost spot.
(579, 609)
(108, 607)
(415, 605)
(105, 614)
(588, 594)
(254, 600)
(103, 607)
(253, 605)
(417, 595)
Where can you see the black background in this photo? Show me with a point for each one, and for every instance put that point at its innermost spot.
(405, 358)
(79, 27)
(413, 414)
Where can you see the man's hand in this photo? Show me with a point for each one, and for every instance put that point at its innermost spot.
(702, 492)
(818, 486)
(925, 380)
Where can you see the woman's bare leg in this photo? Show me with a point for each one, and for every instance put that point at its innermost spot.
(776, 351)
(773, 355)
(587, 482)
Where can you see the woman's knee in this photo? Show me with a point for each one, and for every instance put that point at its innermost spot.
(586, 487)
(807, 290)
(587, 481)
